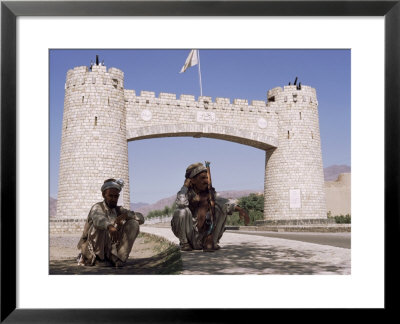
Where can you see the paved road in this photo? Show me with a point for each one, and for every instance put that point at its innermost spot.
(342, 240)
(257, 254)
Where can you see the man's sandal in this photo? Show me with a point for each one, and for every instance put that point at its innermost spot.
(186, 247)
(208, 248)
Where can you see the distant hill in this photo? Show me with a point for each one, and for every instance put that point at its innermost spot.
(160, 204)
(136, 206)
(331, 173)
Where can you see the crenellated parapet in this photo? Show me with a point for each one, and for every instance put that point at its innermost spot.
(98, 74)
(203, 102)
(292, 94)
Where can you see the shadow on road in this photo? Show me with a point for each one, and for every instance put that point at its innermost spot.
(249, 259)
(165, 262)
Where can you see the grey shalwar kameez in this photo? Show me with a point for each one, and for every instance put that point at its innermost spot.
(184, 219)
(96, 240)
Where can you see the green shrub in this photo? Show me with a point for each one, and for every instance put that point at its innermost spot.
(167, 211)
(254, 204)
(340, 219)
(233, 219)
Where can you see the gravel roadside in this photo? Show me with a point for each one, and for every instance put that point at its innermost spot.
(150, 255)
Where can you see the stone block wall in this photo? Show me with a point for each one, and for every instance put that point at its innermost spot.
(66, 226)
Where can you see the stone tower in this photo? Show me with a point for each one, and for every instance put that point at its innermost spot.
(93, 144)
(294, 179)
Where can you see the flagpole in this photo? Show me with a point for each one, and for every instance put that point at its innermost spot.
(201, 88)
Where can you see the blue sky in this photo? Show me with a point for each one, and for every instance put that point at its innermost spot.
(157, 166)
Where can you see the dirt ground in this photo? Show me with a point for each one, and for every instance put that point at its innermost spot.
(149, 255)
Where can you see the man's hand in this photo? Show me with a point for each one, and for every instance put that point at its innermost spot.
(113, 233)
(187, 183)
(120, 220)
(243, 215)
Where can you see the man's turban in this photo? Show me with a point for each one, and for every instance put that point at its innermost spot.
(194, 169)
(112, 184)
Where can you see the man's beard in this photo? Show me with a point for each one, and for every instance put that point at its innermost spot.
(111, 204)
(205, 190)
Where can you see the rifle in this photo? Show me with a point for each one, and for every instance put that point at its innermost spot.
(210, 216)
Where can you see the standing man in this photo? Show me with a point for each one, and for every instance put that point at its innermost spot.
(110, 230)
(189, 221)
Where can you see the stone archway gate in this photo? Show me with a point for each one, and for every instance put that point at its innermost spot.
(101, 116)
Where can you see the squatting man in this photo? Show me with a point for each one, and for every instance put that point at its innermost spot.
(195, 201)
(110, 230)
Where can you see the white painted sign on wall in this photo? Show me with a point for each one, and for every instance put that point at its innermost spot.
(206, 117)
(295, 198)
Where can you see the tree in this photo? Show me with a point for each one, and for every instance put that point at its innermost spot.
(166, 211)
(254, 204)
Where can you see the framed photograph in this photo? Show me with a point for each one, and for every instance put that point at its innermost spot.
(30, 30)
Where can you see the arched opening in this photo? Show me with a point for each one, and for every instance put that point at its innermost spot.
(157, 167)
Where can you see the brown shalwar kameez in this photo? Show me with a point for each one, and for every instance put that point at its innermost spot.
(184, 219)
(96, 240)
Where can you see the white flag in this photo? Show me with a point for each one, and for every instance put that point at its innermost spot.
(191, 60)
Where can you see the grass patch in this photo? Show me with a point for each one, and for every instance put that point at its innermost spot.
(167, 255)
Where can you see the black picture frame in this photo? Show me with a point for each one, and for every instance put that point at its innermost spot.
(10, 10)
